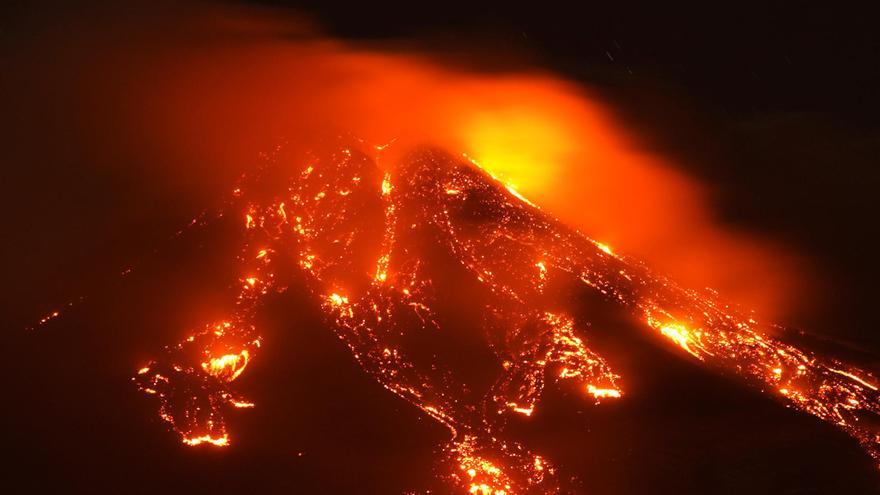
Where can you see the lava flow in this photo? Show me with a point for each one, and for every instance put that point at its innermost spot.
(362, 239)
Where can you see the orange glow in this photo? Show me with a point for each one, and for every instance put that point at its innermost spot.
(547, 139)
(45, 319)
(483, 476)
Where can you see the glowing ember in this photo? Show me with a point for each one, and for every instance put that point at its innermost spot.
(513, 251)
(227, 367)
(219, 442)
(601, 393)
(605, 248)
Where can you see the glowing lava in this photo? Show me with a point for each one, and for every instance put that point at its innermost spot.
(320, 218)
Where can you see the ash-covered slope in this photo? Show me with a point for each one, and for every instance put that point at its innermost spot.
(461, 297)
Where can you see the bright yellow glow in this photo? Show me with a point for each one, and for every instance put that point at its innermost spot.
(382, 268)
(229, 366)
(386, 185)
(679, 334)
(601, 393)
(219, 441)
(521, 144)
(542, 270)
(337, 300)
(605, 248)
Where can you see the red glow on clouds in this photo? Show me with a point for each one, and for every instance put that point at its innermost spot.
(213, 91)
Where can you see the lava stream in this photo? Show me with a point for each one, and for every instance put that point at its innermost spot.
(326, 216)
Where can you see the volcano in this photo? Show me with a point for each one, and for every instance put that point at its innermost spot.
(475, 311)
(378, 313)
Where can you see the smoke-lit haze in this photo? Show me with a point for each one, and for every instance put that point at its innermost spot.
(203, 95)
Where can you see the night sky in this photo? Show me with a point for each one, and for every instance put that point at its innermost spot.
(773, 108)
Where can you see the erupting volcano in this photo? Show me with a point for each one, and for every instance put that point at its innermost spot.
(383, 249)
(435, 260)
